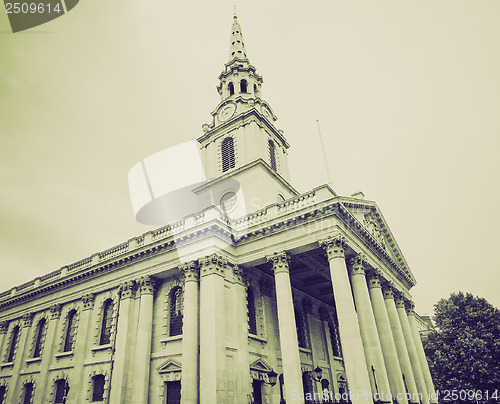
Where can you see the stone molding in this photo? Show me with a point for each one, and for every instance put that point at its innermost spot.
(27, 319)
(190, 271)
(357, 265)
(4, 326)
(239, 275)
(127, 289)
(280, 262)
(334, 246)
(146, 285)
(55, 311)
(212, 264)
(88, 301)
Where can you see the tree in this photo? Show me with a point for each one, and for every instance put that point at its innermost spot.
(464, 350)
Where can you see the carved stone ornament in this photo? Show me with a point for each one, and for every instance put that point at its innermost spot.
(280, 262)
(55, 311)
(374, 279)
(239, 275)
(212, 264)
(357, 265)
(334, 246)
(27, 319)
(146, 285)
(372, 227)
(387, 292)
(400, 302)
(410, 307)
(190, 271)
(88, 301)
(127, 289)
(4, 325)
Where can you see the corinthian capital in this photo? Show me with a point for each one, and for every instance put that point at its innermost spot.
(357, 265)
(280, 262)
(374, 279)
(212, 264)
(334, 246)
(410, 307)
(190, 271)
(147, 285)
(127, 289)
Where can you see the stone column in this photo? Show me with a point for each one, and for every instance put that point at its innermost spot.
(421, 353)
(399, 341)
(81, 348)
(290, 354)
(243, 385)
(412, 350)
(212, 329)
(369, 334)
(118, 391)
(386, 339)
(50, 346)
(350, 336)
(190, 335)
(142, 362)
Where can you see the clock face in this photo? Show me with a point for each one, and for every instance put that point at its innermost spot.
(226, 112)
(266, 113)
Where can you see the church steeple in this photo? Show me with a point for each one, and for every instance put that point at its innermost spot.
(237, 45)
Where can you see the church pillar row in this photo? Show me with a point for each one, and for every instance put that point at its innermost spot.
(412, 350)
(243, 385)
(387, 343)
(421, 354)
(75, 393)
(369, 334)
(350, 337)
(142, 362)
(401, 348)
(212, 329)
(190, 335)
(118, 391)
(290, 354)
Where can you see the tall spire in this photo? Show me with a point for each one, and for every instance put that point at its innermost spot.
(237, 45)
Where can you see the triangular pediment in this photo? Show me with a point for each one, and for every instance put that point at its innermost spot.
(376, 229)
(260, 365)
(169, 366)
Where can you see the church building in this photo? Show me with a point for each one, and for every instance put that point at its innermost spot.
(295, 298)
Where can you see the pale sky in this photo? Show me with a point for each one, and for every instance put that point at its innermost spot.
(407, 95)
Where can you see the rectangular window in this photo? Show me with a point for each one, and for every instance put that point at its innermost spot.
(98, 388)
(28, 393)
(173, 392)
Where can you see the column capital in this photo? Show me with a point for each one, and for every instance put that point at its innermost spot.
(127, 289)
(357, 265)
(190, 271)
(88, 301)
(55, 311)
(212, 264)
(4, 325)
(410, 307)
(374, 278)
(399, 300)
(146, 285)
(334, 246)
(387, 291)
(27, 319)
(239, 275)
(280, 262)
(266, 287)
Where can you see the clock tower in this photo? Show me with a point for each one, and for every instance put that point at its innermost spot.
(243, 153)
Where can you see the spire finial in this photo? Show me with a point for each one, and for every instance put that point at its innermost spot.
(235, 16)
(237, 47)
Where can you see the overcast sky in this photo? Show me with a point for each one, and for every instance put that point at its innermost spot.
(407, 95)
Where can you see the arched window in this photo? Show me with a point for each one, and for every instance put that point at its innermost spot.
(11, 350)
(243, 86)
(301, 334)
(98, 388)
(231, 87)
(255, 89)
(106, 322)
(39, 337)
(227, 149)
(252, 315)
(176, 311)
(69, 338)
(272, 155)
(62, 389)
(27, 393)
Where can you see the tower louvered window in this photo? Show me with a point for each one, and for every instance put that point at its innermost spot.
(11, 350)
(176, 311)
(243, 86)
(272, 155)
(231, 88)
(106, 322)
(252, 315)
(40, 334)
(227, 149)
(69, 338)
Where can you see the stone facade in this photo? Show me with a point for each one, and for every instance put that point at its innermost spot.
(310, 286)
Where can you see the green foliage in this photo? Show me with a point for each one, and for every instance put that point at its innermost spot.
(464, 350)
